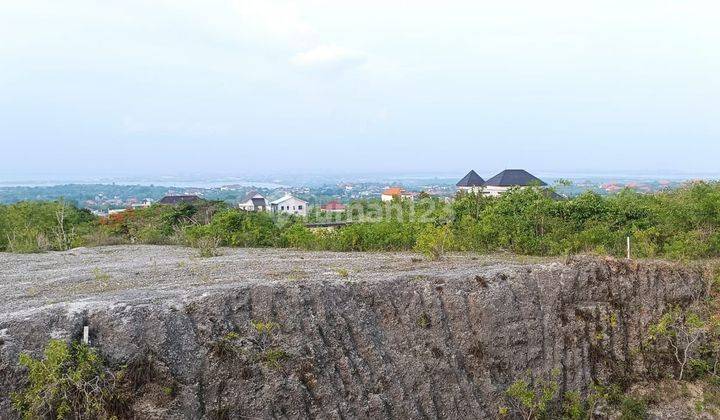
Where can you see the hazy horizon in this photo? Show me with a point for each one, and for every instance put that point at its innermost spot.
(316, 179)
(138, 88)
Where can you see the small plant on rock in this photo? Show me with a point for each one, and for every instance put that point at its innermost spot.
(423, 321)
(267, 352)
(225, 347)
(273, 356)
(101, 276)
(207, 246)
(574, 408)
(264, 332)
(531, 402)
(633, 408)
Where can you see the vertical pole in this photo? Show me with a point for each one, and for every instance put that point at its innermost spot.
(86, 334)
(628, 247)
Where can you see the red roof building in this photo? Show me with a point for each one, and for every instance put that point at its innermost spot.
(333, 206)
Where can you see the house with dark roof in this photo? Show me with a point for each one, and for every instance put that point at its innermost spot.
(510, 178)
(472, 182)
(500, 183)
(253, 201)
(177, 199)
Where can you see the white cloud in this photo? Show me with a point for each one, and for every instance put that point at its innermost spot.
(328, 57)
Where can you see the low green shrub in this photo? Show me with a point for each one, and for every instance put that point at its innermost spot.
(69, 381)
(531, 401)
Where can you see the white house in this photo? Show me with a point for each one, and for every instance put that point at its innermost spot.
(500, 183)
(397, 192)
(472, 183)
(510, 178)
(142, 205)
(289, 205)
(253, 201)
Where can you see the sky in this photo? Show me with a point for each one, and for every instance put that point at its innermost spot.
(329, 86)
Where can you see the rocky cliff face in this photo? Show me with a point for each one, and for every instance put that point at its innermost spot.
(279, 334)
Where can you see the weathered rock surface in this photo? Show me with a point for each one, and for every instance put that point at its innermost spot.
(357, 336)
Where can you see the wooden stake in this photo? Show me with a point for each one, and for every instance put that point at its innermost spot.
(628, 247)
(86, 334)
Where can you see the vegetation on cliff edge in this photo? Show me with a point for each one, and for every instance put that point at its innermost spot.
(680, 224)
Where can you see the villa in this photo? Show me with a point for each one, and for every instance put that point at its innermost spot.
(253, 201)
(396, 192)
(500, 183)
(333, 206)
(289, 205)
(472, 182)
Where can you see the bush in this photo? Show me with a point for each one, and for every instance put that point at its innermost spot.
(574, 406)
(70, 379)
(682, 224)
(298, 236)
(32, 226)
(531, 401)
(633, 409)
(238, 228)
(434, 241)
(207, 246)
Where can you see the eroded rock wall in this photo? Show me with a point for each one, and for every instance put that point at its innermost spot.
(407, 346)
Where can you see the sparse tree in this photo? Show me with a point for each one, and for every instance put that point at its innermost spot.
(682, 331)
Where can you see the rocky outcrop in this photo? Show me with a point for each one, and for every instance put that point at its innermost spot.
(428, 340)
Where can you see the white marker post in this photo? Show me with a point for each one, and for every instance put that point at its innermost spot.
(628, 247)
(86, 335)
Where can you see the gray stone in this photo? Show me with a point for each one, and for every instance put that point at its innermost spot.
(397, 338)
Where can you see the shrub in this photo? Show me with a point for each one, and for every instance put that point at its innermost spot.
(264, 333)
(34, 226)
(574, 407)
(69, 379)
(225, 346)
(423, 321)
(434, 241)
(531, 402)
(682, 224)
(298, 236)
(272, 357)
(681, 331)
(207, 246)
(633, 409)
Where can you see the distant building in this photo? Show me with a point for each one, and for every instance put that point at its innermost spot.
(472, 182)
(289, 205)
(511, 178)
(254, 201)
(177, 199)
(397, 192)
(143, 204)
(500, 183)
(333, 206)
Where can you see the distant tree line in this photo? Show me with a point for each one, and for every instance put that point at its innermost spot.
(678, 224)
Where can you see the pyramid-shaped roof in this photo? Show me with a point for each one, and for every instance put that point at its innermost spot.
(472, 179)
(514, 178)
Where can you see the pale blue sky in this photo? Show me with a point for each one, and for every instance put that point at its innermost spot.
(243, 87)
